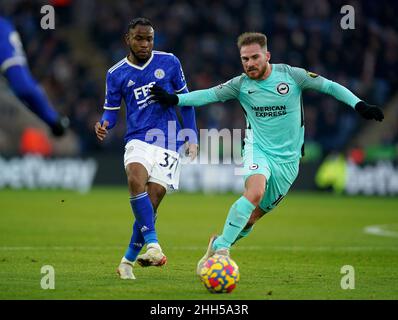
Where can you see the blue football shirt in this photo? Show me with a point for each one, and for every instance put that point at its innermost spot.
(148, 120)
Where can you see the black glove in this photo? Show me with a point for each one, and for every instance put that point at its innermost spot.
(369, 112)
(163, 96)
(60, 126)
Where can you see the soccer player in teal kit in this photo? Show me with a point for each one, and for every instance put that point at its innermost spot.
(270, 95)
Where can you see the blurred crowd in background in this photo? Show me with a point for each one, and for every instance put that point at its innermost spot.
(202, 34)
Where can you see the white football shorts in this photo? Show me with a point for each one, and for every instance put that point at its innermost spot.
(163, 165)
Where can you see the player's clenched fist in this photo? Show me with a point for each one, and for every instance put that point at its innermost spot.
(100, 130)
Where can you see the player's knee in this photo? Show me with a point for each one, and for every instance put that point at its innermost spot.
(136, 186)
(254, 196)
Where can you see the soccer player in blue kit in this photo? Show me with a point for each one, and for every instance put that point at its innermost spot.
(152, 151)
(14, 67)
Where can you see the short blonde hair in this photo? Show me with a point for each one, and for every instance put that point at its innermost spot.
(252, 37)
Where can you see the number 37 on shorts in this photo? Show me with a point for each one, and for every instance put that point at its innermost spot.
(163, 166)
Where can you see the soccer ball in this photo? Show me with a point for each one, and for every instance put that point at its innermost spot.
(220, 274)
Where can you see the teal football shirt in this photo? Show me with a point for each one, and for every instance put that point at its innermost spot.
(273, 107)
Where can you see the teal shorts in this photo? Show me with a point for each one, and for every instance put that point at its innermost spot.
(280, 176)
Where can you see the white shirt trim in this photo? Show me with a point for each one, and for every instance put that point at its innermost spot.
(117, 65)
(162, 52)
(181, 89)
(111, 108)
(139, 67)
(14, 61)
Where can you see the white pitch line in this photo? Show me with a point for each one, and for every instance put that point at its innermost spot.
(191, 248)
(380, 230)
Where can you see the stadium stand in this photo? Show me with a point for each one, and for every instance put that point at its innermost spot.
(71, 61)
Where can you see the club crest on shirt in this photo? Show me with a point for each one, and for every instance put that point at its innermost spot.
(159, 74)
(282, 88)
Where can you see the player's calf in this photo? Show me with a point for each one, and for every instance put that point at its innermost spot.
(255, 216)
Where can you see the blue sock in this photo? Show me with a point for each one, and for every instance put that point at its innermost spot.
(143, 212)
(137, 242)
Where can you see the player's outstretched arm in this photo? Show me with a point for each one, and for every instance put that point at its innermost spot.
(194, 98)
(28, 91)
(341, 93)
(113, 99)
(309, 80)
(223, 92)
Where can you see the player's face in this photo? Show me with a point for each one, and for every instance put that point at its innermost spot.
(140, 41)
(254, 60)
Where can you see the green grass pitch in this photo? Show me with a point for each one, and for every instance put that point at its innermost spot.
(296, 252)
